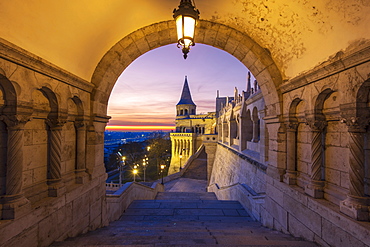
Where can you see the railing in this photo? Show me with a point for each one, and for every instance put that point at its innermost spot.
(250, 199)
(119, 201)
(112, 186)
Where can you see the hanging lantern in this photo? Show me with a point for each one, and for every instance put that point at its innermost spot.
(186, 17)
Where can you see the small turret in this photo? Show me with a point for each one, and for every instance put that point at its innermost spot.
(249, 86)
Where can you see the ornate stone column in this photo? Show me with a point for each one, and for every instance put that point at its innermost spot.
(315, 188)
(224, 131)
(255, 137)
(232, 124)
(242, 134)
(81, 175)
(55, 183)
(14, 202)
(290, 177)
(357, 205)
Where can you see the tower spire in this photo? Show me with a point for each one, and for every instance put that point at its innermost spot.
(185, 98)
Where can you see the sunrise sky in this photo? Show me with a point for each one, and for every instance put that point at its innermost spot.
(148, 90)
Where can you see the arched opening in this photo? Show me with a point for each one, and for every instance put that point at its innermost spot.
(248, 52)
(363, 112)
(3, 147)
(292, 143)
(256, 125)
(36, 142)
(249, 126)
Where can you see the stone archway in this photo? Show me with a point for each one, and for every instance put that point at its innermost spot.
(257, 59)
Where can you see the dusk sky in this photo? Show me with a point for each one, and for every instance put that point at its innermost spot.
(148, 90)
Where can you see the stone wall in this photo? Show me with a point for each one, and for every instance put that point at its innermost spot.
(52, 176)
(316, 184)
(280, 206)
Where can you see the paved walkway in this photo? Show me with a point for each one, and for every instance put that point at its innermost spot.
(184, 219)
(186, 185)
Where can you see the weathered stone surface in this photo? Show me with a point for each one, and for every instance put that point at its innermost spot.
(190, 221)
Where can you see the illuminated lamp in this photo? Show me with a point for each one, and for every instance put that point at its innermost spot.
(186, 17)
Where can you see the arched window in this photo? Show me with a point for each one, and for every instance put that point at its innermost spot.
(256, 125)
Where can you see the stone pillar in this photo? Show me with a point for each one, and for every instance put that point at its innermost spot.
(290, 177)
(231, 131)
(181, 147)
(81, 175)
(191, 146)
(14, 203)
(175, 146)
(210, 149)
(55, 183)
(315, 188)
(242, 134)
(356, 205)
(255, 137)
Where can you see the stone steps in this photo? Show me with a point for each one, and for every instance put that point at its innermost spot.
(184, 219)
(198, 168)
(188, 196)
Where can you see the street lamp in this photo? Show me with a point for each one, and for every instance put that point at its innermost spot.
(162, 168)
(135, 172)
(120, 170)
(145, 162)
(186, 17)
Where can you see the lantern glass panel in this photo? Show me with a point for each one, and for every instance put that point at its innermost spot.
(189, 26)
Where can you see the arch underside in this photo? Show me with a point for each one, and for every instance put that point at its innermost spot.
(236, 43)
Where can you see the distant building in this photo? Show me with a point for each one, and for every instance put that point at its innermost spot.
(190, 127)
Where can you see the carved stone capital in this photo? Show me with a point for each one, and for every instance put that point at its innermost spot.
(79, 124)
(356, 124)
(292, 126)
(317, 125)
(55, 123)
(15, 121)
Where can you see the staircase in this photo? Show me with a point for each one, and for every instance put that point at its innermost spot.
(197, 168)
(184, 219)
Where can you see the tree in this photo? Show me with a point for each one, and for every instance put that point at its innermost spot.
(160, 151)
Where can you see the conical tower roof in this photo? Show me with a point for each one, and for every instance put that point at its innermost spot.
(186, 96)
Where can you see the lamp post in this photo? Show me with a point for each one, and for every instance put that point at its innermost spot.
(162, 168)
(186, 17)
(145, 163)
(120, 170)
(135, 172)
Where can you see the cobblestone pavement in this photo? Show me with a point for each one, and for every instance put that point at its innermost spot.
(185, 219)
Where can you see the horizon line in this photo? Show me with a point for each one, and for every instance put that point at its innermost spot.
(140, 127)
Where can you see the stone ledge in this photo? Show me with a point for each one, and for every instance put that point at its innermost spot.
(250, 160)
(339, 63)
(17, 55)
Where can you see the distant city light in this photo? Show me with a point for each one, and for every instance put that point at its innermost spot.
(139, 128)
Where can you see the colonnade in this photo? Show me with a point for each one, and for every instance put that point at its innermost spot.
(13, 199)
